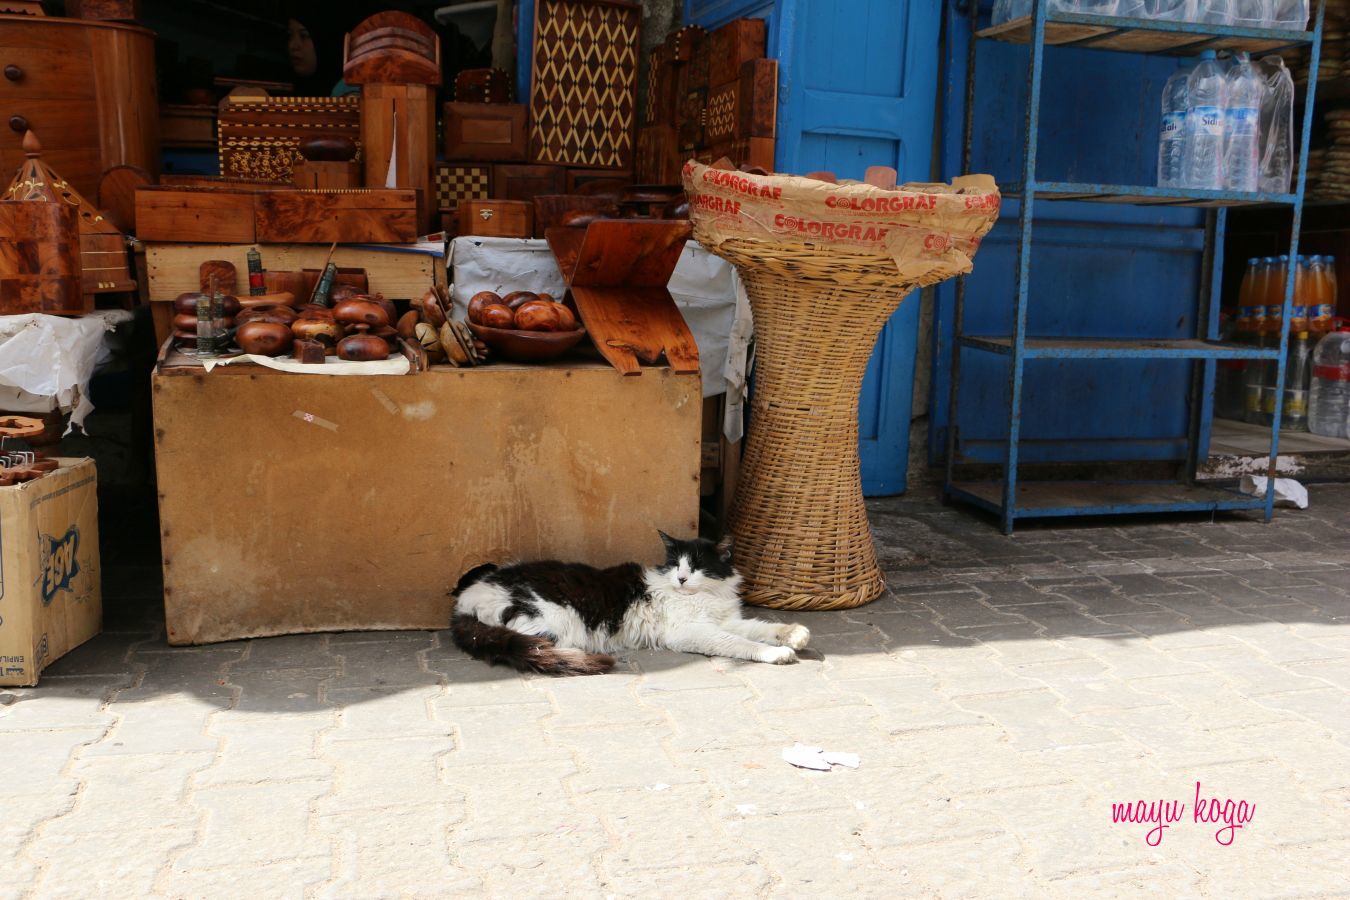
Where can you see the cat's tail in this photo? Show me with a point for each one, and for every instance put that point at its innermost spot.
(494, 644)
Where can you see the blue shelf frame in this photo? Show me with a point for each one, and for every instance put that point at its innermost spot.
(1111, 33)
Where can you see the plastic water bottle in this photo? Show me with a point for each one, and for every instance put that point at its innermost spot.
(1329, 400)
(1214, 12)
(1172, 134)
(1204, 124)
(1242, 112)
(1170, 10)
(1276, 130)
(1252, 13)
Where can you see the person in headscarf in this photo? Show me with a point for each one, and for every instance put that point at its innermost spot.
(314, 34)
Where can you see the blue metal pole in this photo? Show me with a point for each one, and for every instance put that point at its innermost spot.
(1024, 219)
(1297, 226)
(959, 313)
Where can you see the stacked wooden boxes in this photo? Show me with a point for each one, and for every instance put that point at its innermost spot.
(710, 95)
(577, 124)
(482, 130)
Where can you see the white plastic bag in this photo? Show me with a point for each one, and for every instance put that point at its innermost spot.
(1288, 492)
(1276, 127)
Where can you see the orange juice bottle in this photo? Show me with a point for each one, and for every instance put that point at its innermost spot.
(1249, 281)
(1323, 305)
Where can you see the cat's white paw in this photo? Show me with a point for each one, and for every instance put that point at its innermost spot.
(779, 656)
(794, 636)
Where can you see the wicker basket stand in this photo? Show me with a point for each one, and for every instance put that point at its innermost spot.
(802, 536)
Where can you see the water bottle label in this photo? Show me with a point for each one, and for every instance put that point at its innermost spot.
(1207, 120)
(1295, 403)
(1252, 398)
(1332, 373)
(1268, 400)
(1242, 120)
(1172, 124)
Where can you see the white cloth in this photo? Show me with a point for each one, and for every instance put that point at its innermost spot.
(46, 362)
(396, 364)
(706, 289)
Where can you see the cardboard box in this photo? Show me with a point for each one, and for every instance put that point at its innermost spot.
(356, 502)
(51, 597)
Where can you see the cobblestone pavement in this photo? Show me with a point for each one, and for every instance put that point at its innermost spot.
(1002, 697)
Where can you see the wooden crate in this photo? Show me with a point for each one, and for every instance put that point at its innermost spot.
(485, 132)
(398, 272)
(291, 544)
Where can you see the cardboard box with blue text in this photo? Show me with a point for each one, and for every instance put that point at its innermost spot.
(50, 579)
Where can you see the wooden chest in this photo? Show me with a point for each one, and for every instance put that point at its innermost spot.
(485, 132)
(86, 89)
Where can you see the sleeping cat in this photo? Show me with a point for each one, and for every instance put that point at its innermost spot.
(566, 618)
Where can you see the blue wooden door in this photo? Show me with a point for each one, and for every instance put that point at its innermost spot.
(857, 88)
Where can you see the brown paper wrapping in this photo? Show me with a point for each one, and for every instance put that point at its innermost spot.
(931, 231)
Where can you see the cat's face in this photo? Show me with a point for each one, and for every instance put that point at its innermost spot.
(693, 566)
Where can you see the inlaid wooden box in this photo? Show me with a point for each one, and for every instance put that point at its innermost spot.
(485, 132)
(583, 99)
(457, 182)
(260, 137)
(496, 218)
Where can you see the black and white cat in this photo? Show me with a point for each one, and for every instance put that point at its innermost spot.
(566, 618)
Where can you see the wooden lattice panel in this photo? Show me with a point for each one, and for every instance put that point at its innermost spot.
(260, 138)
(456, 183)
(583, 99)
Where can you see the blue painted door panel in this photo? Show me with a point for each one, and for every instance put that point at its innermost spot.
(857, 88)
(1097, 270)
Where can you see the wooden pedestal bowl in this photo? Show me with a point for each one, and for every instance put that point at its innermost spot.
(527, 346)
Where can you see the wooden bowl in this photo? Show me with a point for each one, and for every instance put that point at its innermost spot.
(527, 346)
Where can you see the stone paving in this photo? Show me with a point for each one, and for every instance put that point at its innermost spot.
(1002, 697)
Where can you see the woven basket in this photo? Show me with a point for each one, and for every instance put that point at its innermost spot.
(802, 536)
(824, 265)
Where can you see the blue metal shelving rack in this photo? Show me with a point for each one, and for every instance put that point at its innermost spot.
(1007, 498)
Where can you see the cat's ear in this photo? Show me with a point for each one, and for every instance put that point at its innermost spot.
(724, 548)
(666, 539)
